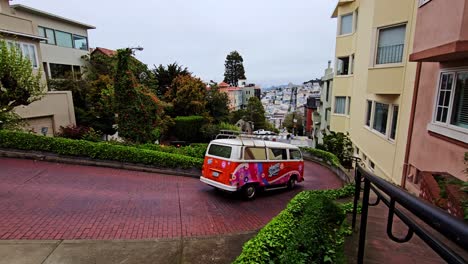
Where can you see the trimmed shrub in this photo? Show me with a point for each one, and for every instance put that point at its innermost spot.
(325, 155)
(194, 150)
(310, 230)
(187, 128)
(96, 150)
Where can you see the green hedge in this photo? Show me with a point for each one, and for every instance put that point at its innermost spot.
(197, 150)
(327, 156)
(187, 128)
(95, 150)
(310, 230)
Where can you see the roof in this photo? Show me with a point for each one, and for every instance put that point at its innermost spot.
(107, 52)
(252, 143)
(223, 84)
(340, 3)
(50, 15)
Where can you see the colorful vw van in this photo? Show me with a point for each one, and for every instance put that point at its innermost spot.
(248, 165)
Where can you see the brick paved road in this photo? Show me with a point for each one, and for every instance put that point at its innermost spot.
(42, 200)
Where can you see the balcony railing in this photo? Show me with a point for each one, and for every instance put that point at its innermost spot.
(454, 229)
(390, 54)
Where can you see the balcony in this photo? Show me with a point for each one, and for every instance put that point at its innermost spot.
(386, 80)
(441, 33)
(390, 54)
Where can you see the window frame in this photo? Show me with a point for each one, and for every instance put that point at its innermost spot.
(370, 127)
(334, 105)
(340, 27)
(350, 70)
(446, 128)
(19, 45)
(376, 46)
(86, 38)
(71, 39)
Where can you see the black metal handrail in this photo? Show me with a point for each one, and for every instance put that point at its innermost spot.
(454, 229)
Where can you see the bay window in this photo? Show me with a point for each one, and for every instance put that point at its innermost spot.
(391, 43)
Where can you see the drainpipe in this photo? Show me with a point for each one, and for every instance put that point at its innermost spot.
(411, 124)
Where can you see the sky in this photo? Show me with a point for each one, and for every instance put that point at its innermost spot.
(280, 41)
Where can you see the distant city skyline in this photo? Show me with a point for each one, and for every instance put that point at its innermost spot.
(280, 41)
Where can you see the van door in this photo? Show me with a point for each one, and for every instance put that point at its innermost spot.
(277, 166)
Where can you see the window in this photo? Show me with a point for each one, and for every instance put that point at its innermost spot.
(371, 164)
(391, 45)
(47, 33)
(368, 113)
(220, 151)
(64, 39)
(28, 51)
(357, 151)
(346, 24)
(340, 104)
(252, 153)
(326, 114)
(351, 64)
(277, 154)
(328, 91)
(452, 101)
(348, 112)
(394, 122)
(295, 154)
(342, 67)
(380, 118)
(60, 71)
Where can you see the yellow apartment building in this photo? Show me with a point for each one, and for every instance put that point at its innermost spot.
(373, 82)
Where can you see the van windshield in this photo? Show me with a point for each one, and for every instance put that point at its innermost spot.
(220, 151)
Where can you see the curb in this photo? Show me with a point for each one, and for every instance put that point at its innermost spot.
(50, 157)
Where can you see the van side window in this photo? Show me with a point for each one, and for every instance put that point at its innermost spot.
(277, 154)
(220, 151)
(252, 153)
(295, 154)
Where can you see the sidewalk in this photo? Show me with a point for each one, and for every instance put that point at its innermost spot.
(219, 249)
(381, 249)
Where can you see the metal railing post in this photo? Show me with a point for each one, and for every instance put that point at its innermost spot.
(362, 229)
(357, 194)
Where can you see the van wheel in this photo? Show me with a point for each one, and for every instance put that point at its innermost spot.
(292, 182)
(249, 192)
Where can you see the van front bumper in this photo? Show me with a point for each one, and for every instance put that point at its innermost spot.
(218, 184)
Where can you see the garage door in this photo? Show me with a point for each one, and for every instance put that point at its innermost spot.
(39, 125)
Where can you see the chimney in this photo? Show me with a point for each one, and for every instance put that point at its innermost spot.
(5, 6)
(329, 64)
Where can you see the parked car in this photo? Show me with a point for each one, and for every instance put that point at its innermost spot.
(263, 132)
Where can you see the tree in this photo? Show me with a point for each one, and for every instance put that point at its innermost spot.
(255, 112)
(137, 108)
(19, 84)
(217, 104)
(292, 126)
(234, 68)
(188, 96)
(166, 75)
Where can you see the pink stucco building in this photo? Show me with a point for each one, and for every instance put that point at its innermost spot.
(438, 132)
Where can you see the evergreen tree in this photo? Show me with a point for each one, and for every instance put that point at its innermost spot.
(166, 75)
(255, 112)
(234, 68)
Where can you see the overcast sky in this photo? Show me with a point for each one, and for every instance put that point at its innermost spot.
(280, 41)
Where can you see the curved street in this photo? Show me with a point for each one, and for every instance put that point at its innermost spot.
(43, 200)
